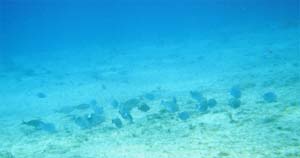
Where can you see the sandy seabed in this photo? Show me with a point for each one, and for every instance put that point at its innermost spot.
(255, 61)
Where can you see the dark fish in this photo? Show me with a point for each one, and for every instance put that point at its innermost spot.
(183, 116)
(89, 120)
(131, 103)
(41, 95)
(149, 96)
(93, 105)
(211, 103)
(236, 92)
(197, 95)
(114, 103)
(117, 122)
(171, 105)
(234, 103)
(202, 106)
(144, 107)
(82, 106)
(65, 110)
(33, 123)
(82, 122)
(270, 97)
(96, 118)
(97, 109)
(93, 102)
(103, 87)
(126, 115)
(49, 127)
(40, 125)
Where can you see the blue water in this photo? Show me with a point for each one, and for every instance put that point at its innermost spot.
(149, 78)
(53, 25)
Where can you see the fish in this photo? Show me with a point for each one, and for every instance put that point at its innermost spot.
(202, 106)
(144, 107)
(234, 103)
(81, 122)
(149, 96)
(236, 92)
(270, 97)
(211, 103)
(89, 120)
(197, 95)
(126, 107)
(114, 103)
(183, 116)
(131, 103)
(117, 122)
(84, 106)
(171, 105)
(41, 125)
(65, 110)
(125, 114)
(97, 109)
(41, 95)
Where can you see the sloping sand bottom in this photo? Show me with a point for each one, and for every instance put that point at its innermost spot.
(257, 129)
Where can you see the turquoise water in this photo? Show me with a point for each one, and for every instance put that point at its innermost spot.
(150, 79)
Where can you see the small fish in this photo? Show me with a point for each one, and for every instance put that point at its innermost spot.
(270, 97)
(202, 106)
(49, 127)
(117, 122)
(183, 116)
(211, 103)
(126, 115)
(96, 118)
(97, 109)
(82, 122)
(131, 103)
(144, 107)
(234, 103)
(40, 125)
(197, 95)
(171, 105)
(149, 96)
(93, 102)
(93, 105)
(33, 123)
(65, 110)
(114, 103)
(89, 120)
(236, 92)
(41, 95)
(82, 106)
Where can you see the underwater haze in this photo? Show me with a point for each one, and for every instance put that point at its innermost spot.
(150, 79)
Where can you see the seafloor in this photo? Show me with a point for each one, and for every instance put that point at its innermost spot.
(34, 86)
